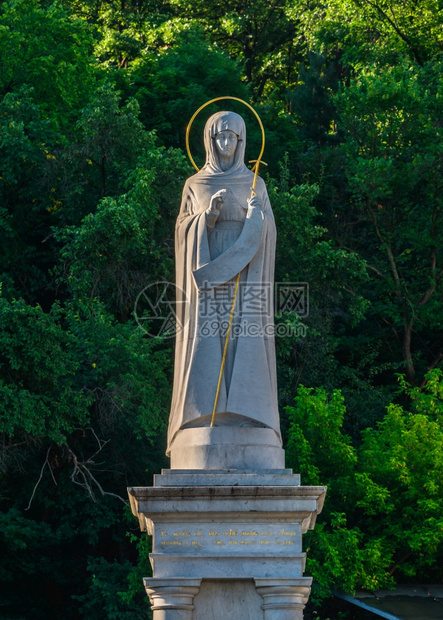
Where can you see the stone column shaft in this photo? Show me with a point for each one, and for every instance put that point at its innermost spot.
(283, 599)
(172, 599)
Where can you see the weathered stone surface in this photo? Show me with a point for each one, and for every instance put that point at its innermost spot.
(232, 600)
(284, 599)
(213, 531)
(226, 477)
(227, 447)
(172, 599)
(229, 532)
(245, 503)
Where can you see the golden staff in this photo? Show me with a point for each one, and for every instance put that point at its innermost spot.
(255, 168)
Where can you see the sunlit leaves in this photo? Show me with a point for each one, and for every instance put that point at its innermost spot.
(385, 499)
(47, 49)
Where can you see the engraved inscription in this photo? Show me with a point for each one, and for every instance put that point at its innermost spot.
(222, 538)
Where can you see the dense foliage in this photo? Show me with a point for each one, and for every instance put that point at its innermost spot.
(94, 100)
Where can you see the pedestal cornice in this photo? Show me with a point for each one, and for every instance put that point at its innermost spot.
(292, 502)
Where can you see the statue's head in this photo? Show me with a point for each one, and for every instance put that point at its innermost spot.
(225, 139)
(224, 121)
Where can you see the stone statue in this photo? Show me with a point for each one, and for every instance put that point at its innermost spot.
(227, 518)
(222, 231)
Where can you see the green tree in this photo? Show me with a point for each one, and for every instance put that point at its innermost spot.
(28, 142)
(170, 84)
(374, 31)
(393, 154)
(84, 404)
(382, 521)
(333, 304)
(259, 34)
(126, 244)
(45, 48)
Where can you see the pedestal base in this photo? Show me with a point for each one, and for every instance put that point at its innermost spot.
(207, 448)
(227, 543)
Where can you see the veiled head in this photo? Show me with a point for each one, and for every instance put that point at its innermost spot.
(219, 139)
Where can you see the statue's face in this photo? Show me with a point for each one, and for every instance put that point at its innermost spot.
(226, 143)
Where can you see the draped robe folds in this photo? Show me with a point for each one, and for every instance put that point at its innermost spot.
(205, 277)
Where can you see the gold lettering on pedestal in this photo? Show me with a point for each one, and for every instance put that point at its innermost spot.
(279, 538)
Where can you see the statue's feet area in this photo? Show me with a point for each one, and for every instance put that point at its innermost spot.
(227, 447)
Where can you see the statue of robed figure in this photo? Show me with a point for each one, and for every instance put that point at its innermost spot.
(224, 233)
(227, 518)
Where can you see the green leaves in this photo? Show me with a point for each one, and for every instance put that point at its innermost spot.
(317, 419)
(122, 371)
(379, 31)
(169, 84)
(94, 101)
(37, 369)
(384, 501)
(404, 457)
(341, 558)
(125, 244)
(45, 48)
(393, 164)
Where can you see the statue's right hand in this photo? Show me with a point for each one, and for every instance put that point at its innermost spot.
(217, 201)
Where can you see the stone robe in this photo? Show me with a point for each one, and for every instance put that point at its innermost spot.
(210, 252)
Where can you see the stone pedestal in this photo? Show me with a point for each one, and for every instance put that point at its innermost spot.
(227, 543)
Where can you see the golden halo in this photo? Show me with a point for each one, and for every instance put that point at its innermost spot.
(188, 129)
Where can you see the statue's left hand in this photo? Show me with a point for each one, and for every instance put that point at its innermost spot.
(255, 203)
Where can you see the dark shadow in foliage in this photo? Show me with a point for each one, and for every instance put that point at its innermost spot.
(312, 101)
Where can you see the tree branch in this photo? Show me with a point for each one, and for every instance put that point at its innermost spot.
(376, 271)
(388, 251)
(391, 326)
(82, 471)
(431, 366)
(431, 290)
(402, 36)
(46, 462)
